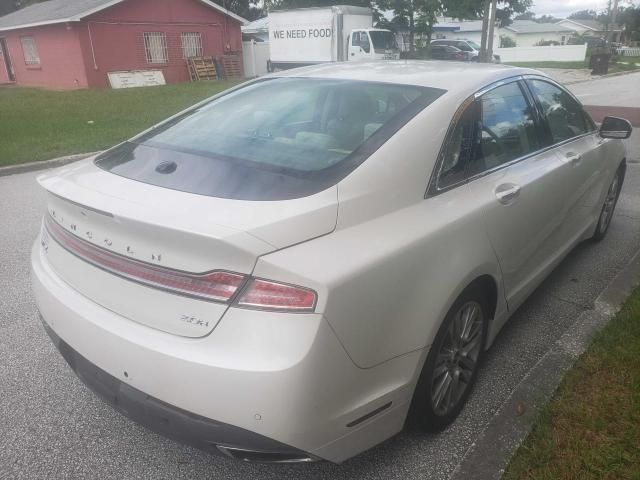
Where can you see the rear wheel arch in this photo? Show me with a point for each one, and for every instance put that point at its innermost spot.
(623, 167)
(489, 288)
(483, 291)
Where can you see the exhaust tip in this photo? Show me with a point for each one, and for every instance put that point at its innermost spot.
(258, 456)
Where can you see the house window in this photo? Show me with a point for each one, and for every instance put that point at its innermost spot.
(30, 51)
(155, 46)
(191, 44)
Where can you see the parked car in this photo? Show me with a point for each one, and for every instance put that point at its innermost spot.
(447, 52)
(298, 267)
(470, 48)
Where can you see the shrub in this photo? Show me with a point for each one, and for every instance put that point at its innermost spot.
(507, 42)
(546, 43)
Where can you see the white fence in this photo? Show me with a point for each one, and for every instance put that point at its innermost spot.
(255, 56)
(556, 53)
(628, 51)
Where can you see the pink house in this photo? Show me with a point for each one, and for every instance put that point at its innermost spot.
(68, 44)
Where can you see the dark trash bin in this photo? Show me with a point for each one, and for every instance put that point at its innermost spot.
(599, 63)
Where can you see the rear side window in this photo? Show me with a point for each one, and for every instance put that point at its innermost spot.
(273, 139)
(564, 116)
(507, 128)
(459, 148)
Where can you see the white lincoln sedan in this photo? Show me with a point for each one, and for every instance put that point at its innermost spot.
(296, 269)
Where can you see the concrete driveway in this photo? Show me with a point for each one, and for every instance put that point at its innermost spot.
(53, 427)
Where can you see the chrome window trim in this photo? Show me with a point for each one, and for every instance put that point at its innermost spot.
(432, 187)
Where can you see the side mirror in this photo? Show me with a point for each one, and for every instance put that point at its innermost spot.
(614, 127)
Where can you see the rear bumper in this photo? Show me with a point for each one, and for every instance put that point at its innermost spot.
(274, 383)
(172, 422)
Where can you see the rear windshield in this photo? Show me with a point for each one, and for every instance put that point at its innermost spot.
(273, 139)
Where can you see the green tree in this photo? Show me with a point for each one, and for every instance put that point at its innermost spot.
(629, 19)
(507, 42)
(528, 15)
(583, 15)
(507, 9)
(546, 19)
(415, 15)
(8, 6)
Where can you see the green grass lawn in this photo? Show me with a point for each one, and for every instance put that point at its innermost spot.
(591, 428)
(623, 64)
(614, 66)
(40, 124)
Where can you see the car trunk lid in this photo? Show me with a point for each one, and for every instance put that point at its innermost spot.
(171, 230)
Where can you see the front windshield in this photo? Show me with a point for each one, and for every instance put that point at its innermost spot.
(276, 128)
(383, 40)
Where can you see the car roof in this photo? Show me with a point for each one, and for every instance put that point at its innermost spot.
(450, 76)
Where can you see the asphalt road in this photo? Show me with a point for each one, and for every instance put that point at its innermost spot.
(53, 427)
(616, 96)
(619, 91)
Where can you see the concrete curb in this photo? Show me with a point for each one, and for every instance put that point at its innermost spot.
(32, 166)
(490, 454)
(598, 77)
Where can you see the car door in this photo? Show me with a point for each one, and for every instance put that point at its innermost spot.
(438, 52)
(521, 184)
(360, 46)
(574, 135)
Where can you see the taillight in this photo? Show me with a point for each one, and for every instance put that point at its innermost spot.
(219, 286)
(268, 295)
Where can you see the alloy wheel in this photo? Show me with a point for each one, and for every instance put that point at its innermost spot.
(457, 359)
(609, 203)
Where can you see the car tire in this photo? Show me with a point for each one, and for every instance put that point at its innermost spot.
(448, 376)
(610, 202)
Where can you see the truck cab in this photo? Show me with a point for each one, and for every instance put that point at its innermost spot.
(372, 44)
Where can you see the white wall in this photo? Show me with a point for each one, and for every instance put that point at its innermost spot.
(562, 53)
(530, 39)
(254, 57)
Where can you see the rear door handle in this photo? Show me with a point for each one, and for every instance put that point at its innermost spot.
(574, 158)
(507, 193)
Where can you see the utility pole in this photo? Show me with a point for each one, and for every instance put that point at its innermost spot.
(492, 22)
(612, 22)
(485, 30)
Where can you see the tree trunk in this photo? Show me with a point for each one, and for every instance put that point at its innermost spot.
(411, 32)
(485, 28)
(492, 22)
(614, 17)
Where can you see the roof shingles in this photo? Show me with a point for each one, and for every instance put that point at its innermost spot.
(50, 12)
(57, 11)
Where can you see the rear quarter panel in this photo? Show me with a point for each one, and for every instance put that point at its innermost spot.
(397, 261)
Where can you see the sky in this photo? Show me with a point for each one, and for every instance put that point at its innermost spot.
(563, 8)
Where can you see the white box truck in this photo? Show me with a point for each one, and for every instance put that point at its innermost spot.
(306, 36)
